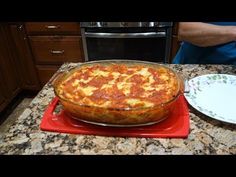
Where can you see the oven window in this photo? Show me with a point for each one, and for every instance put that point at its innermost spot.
(148, 49)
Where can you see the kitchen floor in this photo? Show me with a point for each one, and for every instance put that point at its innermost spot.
(15, 113)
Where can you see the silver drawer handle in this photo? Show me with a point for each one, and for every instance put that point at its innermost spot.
(52, 26)
(57, 51)
(126, 35)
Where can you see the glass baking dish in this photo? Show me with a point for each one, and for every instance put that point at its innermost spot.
(117, 117)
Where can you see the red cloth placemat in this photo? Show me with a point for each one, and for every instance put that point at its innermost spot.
(175, 126)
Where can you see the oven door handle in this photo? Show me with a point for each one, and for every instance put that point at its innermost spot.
(126, 35)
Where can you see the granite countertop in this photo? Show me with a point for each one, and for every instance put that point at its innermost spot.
(207, 136)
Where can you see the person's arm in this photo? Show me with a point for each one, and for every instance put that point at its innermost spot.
(204, 35)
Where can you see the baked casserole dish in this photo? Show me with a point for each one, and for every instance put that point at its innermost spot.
(118, 92)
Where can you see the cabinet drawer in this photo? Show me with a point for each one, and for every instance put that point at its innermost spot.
(46, 72)
(56, 49)
(52, 28)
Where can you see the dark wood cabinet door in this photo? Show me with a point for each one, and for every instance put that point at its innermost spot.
(24, 59)
(2, 100)
(2, 95)
(7, 66)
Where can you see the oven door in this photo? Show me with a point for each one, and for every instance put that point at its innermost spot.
(148, 46)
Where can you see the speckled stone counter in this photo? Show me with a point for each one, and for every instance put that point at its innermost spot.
(207, 136)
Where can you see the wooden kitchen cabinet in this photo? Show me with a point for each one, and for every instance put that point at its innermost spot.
(7, 65)
(24, 59)
(56, 49)
(10, 82)
(3, 99)
(52, 44)
(29, 54)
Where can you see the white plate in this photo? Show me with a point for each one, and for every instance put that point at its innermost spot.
(214, 95)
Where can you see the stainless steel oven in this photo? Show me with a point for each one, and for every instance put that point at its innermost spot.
(150, 41)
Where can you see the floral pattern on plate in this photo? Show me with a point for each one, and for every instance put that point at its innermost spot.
(214, 95)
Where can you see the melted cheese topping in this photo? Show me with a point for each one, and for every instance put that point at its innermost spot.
(98, 72)
(87, 91)
(119, 86)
